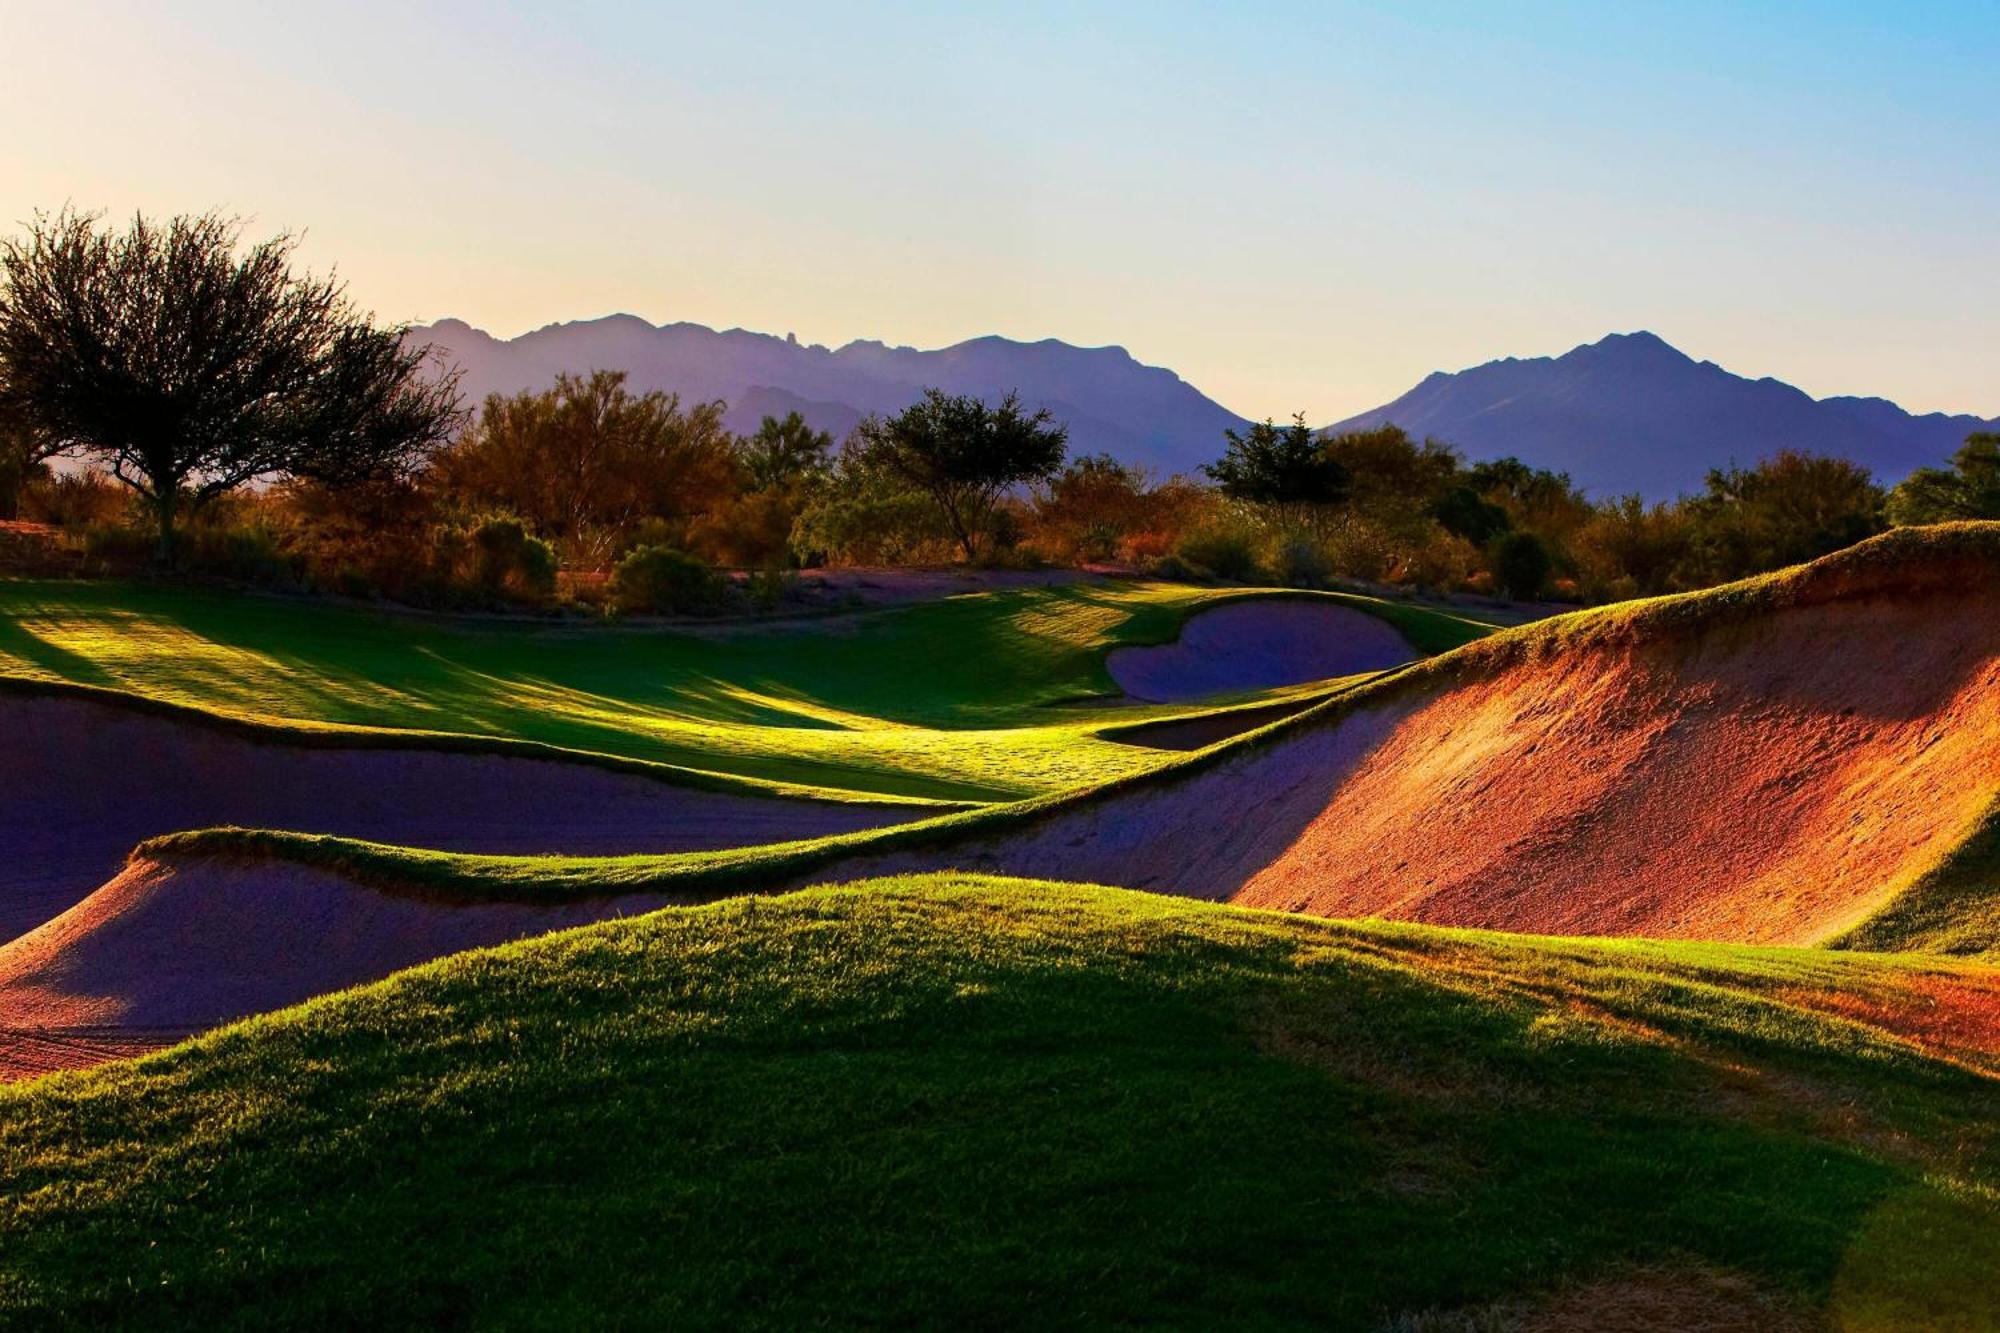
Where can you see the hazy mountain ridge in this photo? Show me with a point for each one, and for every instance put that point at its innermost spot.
(1632, 413)
(1112, 403)
(1626, 413)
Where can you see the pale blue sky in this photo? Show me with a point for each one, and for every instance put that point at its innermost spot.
(1295, 206)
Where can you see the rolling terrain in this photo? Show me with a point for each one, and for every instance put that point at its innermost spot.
(971, 1101)
(1774, 761)
(1733, 1065)
(140, 711)
(961, 699)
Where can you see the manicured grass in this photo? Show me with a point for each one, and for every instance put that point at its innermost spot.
(956, 1101)
(959, 699)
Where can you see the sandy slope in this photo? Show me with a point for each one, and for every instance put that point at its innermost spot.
(159, 953)
(1769, 783)
(1770, 779)
(82, 783)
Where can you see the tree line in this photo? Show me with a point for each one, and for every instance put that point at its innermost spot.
(226, 414)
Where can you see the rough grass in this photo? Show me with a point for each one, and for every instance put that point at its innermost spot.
(958, 700)
(967, 1102)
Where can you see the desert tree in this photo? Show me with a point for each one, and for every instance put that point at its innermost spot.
(963, 455)
(1280, 465)
(1790, 508)
(784, 452)
(586, 461)
(186, 365)
(1969, 488)
(1089, 507)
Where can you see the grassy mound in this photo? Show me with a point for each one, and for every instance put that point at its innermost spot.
(958, 699)
(965, 1101)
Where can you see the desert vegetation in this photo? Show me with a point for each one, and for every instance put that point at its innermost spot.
(209, 410)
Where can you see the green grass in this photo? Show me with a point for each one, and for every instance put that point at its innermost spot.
(1952, 909)
(965, 1102)
(960, 700)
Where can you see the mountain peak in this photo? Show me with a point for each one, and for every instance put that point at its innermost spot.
(1632, 413)
(1639, 346)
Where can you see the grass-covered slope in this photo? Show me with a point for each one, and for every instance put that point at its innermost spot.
(1951, 909)
(1654, 702)
(965, 1102)
(956, 699)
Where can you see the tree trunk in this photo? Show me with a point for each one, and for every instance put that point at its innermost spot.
(961, 527)
(165, 506)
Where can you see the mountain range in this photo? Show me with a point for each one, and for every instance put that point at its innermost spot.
(1112, 404)
(1631, 413)
(1628, 413)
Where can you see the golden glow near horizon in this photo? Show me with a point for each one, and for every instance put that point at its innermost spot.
(1306, 209)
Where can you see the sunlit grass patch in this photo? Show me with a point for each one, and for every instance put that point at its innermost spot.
(960, 699)
(953, 1099)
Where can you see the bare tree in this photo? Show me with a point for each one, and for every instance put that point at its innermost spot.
(186, 366)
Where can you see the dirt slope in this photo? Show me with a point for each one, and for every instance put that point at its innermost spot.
(82, 783)
(1765, 783)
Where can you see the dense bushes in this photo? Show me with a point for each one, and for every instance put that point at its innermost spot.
(668, 582)
(1222, 550)
(583, 464)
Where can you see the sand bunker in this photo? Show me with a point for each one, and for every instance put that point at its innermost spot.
(82, 783)
(1258, 644)
(1769, 780)
(1770, 783)
(158, 954)
(1753, 767)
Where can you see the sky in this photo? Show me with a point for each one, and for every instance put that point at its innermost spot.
(1297, 207)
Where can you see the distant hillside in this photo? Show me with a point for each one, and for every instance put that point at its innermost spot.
(1628, 413)
(1631, 413)
(1112, 403)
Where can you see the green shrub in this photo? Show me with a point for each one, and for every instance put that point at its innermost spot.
(117, 545)
(770, 588)
(663, 580)
(246, 553)
(1301, 562)
(1225, 553)
(508, 559)
(75, 500)
(1521, 565)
